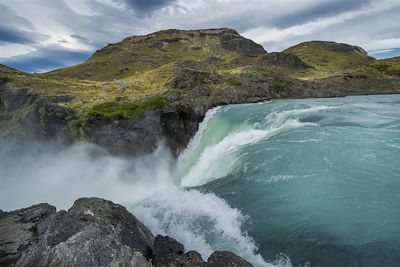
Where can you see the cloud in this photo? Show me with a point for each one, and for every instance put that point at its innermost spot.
(385, 53)
(16, 29)
(46, 59)
(144, 6)
(79, 27)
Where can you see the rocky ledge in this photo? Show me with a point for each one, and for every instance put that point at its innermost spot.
(93, 232)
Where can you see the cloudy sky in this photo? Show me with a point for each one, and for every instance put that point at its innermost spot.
(41, 35)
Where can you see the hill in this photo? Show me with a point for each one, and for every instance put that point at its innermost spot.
(170, 48)
(329, 58)
(160, 85)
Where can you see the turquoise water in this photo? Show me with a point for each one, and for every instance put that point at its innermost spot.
(318, 179)
(311, 182)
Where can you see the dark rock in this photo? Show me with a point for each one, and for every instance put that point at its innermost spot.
(126, 137)
(166, 250)
(237, 43)
(37, 118)
(284, 60)
(226, 259)
(19, 229)
(11, 100)
(194, 81)
(179, 126)
(190, 258)
(94, 232)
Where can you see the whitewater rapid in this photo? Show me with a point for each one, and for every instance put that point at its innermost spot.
(158, 189)
(257, 150)
(203, 221)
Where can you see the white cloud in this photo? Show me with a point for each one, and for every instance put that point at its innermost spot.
(383, 44)
(265, 34)
(11, 50)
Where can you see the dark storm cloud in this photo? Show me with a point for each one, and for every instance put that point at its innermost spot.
(146, 6)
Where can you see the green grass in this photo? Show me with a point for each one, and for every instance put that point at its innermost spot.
(384, 68)
(328, 58)
(126, 111)
(234, 81)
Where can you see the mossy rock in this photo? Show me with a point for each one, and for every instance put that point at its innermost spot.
(127, 111)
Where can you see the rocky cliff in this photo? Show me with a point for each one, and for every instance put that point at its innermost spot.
(93, 232)
(131, 95)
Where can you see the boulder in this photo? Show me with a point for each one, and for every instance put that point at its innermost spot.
(227, 259)
(93, 232)
(19, 229)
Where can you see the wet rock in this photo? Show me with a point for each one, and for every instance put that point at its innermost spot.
(126, 137)
(19, 229)
(93, 232)
(190, 258)
(166, 250)
(29, 117)
(227, 259)
(179, 126)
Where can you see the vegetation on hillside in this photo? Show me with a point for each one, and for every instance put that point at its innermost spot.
(329, 58)
(141, 73)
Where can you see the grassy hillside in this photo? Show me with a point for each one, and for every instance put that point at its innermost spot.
(383, 68)
(137, 55)
(329, 58)
(123, 80)
(177, 67)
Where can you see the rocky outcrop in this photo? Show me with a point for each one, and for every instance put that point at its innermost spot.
(18, 229)
(126, 137)
(234, 42)
(93, 232)
(284, 60)
(27, 116)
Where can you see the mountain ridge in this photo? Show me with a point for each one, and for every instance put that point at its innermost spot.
(159, 86)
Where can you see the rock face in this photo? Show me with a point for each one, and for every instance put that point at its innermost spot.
(284, 60)
(30, 117)
(234, 42)
(19, 229)
(126, 136)
(93, 232)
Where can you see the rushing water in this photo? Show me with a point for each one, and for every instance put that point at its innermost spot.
(312, 182)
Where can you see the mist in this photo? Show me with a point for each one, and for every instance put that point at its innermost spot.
(149, 186)
(59, 175)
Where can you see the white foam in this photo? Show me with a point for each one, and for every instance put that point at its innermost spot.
(202, 222)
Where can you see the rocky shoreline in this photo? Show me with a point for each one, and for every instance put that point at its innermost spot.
(93, 232)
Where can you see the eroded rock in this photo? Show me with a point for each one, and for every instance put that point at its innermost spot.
(93, 232)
